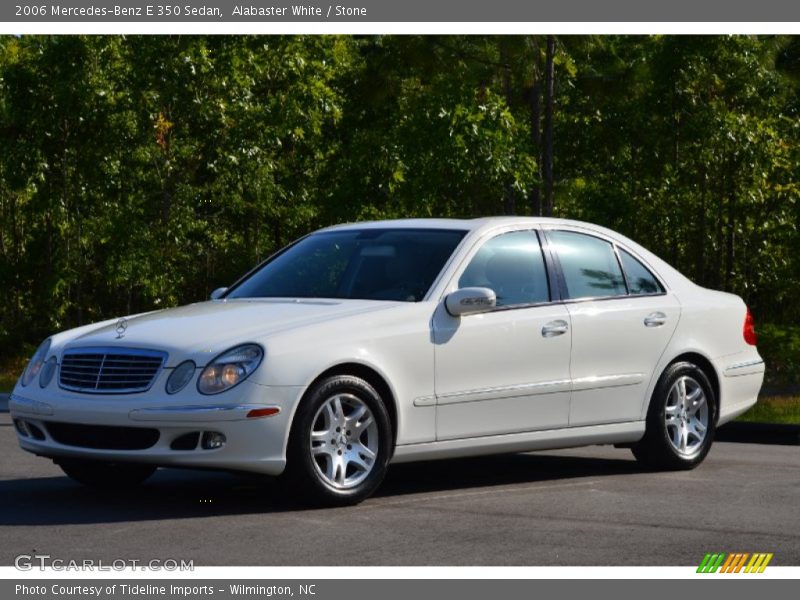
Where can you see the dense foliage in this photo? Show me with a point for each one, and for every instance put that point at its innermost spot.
(142, 172)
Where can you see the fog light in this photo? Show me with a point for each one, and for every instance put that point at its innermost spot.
(21, 428)
(35, 432)
(212, 440)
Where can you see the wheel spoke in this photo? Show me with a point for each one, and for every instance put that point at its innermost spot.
(322, 449)
(362, 449)
(363, 425)
(330, 415)
(682, 390)
(329, 465)
(320, 435)
(341, 470)
(699, 427)
(338, 411)
(694, 395)
(698, 403)
(676, 435)
(684, 437)
(359, 462)
(359, 412)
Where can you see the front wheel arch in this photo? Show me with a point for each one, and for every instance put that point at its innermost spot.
(303, 474)
(372, 377)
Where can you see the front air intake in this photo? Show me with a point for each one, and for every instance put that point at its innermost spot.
(102, 437)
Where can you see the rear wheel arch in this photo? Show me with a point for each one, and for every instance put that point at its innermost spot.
(678, 413)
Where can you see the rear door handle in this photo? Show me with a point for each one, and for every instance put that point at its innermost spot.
(656, 319)
(554, 328)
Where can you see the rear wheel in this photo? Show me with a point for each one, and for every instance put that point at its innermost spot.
(341, 442)
(105, 475)
(681, 419)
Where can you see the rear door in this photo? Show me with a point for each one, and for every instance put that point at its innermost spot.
(622, 320)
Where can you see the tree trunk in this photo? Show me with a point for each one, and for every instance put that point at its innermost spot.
(702, 226)
(536, 138)
(716, 278)
(547, 153)
(509, 201)
(730, 239)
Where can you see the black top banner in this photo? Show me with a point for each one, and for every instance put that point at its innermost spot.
(400, 11)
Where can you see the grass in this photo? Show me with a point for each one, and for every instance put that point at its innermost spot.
(770, 409)
(774, 409)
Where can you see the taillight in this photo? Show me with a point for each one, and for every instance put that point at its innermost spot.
(750, 329)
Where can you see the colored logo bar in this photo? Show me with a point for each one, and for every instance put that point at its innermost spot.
(736, 562)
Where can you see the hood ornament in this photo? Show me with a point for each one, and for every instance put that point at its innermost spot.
(122, 327)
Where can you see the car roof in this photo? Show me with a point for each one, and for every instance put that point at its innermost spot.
(455, 224)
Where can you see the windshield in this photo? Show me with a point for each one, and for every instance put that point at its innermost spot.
(367, 264)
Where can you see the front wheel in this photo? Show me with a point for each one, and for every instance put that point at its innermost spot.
(105, 475)
(341, 442)
(681, 419)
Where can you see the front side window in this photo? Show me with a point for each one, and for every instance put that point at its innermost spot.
(511, 265)
(640, 279)
(589, 265)
(370, 264)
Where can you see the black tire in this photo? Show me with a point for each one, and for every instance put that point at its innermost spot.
(656, 450)
(303, 477)
(105, 475)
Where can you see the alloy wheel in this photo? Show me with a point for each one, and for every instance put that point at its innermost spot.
(344, 441)
(686, 416)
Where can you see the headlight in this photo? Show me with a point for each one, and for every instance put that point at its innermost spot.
(181, 375)
(229, 369)
(36, 362)
(48, 371)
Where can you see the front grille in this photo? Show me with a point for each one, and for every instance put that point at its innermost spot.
(102, 437)
(109, 370)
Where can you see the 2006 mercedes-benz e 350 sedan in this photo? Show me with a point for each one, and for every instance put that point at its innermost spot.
(365, 344)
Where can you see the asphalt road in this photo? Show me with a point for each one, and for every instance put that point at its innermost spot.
(591, 506)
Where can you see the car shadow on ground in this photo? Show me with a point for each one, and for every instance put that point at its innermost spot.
(178, 493)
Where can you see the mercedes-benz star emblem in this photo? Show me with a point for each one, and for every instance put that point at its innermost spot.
(122, 326)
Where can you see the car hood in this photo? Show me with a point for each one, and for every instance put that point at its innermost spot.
(201, 331)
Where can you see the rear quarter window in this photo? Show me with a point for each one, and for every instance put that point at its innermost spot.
(640, 280)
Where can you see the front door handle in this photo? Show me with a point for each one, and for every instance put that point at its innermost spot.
(554, 328)
(656, 319)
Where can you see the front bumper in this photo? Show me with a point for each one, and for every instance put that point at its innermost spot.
(254, 441)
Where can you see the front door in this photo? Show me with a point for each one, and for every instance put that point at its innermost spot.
(506, 370)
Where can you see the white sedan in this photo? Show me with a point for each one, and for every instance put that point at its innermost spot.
(394, 341)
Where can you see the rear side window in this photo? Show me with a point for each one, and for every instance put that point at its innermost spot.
(512, 265)
(589, 265)
(640, 279)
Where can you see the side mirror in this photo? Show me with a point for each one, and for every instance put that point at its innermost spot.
(471, 300)
(217, 293)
